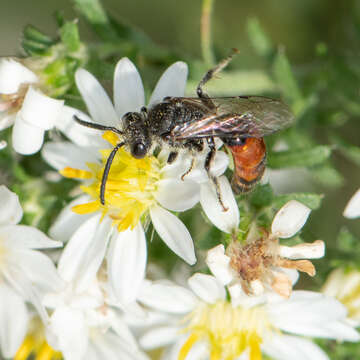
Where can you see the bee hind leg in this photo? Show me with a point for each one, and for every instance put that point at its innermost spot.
(209, 75)
(209, 158)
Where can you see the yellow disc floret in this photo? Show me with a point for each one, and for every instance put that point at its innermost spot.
(129, 190)
(228, 330)
(35, 346)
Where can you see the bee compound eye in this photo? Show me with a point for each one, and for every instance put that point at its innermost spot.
(138, 150)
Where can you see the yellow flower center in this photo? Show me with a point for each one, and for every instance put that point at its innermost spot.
(35, 344)
(228, 330)
(130, 186)
(351, 300)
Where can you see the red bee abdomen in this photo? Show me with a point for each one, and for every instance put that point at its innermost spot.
(249, 164)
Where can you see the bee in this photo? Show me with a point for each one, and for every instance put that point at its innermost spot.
(240, 122)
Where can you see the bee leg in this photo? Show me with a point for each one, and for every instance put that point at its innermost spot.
(209, 75)
(209, 158)
(172, 157)
(107, 170)
(189, 170)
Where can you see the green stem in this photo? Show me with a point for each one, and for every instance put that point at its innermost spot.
(206, 43)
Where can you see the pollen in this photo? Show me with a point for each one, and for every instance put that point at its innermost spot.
(129, 190)
(229, 331)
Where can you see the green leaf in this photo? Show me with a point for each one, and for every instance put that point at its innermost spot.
(69, 34)
(288, 84)
(95, 14)
(32, 34)
(327, 175)
(349, 150)
(346, 241)
(262, 196)
(311, 200)
(300, 157)
(260, 41)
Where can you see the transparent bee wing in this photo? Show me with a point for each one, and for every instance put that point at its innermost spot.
(250, 116)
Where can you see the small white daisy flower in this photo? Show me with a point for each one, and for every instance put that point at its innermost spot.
(24, 272)
(344, 285)
(23, 104)
(135, 187)
(82, 324)
(202, 323)
(262, 264)
(352, 209)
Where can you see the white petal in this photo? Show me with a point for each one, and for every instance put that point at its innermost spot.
(313, 250)
(207, 288)
(127, 263)
(40, 270)
(177, 195)
(65, 154)
(352, 209)
(13, 74)
(10, 208)
(171, 83)
(27, 139)
(13, 321)
(97, 101)
(122, 330)
(40, 110)
(290, 219)
(85, 251)
(27, 237)
(227, 221)
(72, 333)
(23, 285)
(158, 337)
(110, 347)
(174, 233)
(168, 297)
(219, 264)
(79, 134)
(280, 346)
(128, 88)
(67, 221)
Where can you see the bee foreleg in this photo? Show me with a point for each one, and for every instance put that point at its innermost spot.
(209, 158)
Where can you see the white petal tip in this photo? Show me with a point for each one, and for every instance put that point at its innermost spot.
(352, 209)
(290, 219)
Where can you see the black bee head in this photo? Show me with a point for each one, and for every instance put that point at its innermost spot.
(136, 134)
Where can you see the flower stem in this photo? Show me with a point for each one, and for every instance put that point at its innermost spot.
(206, 43)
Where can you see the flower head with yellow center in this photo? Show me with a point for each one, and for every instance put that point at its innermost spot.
(203, 323)
(135, 189)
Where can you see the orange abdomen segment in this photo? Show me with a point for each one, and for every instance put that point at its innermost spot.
(249, 164)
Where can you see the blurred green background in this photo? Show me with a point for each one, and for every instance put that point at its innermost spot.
(301, 27)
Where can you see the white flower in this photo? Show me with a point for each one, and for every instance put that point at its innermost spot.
(135, 187)
(202, 323)
(344, 285)
(262, 264)
(352, 209)
(82, 325)
(25, 274)
(25, 106)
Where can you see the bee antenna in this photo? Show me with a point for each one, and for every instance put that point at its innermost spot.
(97, 126)
(107, 170)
